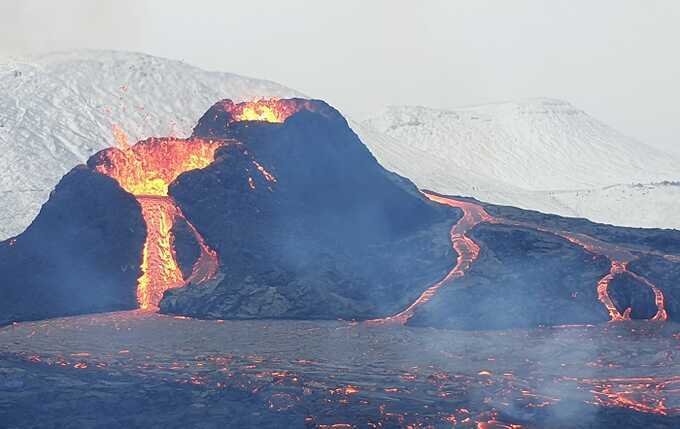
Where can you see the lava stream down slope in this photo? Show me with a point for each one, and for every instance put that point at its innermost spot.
(468, 252)
(146, 170)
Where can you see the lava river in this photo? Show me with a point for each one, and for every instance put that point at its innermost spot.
(146, 171)
(468, 252)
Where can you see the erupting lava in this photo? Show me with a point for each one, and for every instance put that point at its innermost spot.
(468, 252)
(272, 110)
(146, 170)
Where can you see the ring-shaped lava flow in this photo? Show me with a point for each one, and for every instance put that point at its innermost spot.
(468, 252)
(146, 170)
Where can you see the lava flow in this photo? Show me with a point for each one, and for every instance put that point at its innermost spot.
(468, 252)
(146, 170)
(467, 249)
(620, 268)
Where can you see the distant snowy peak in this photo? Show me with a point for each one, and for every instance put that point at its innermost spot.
(392, 117)
(535, 144)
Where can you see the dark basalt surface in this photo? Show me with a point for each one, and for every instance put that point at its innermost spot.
(333, 236)
(308, 225)
(665, 274)
(186, 247)
(80, 255)
(646, 239)
(627, 292)
(523, 278)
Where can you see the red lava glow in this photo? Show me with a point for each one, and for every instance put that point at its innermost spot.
(661, 313)
(644, 394)
(465, 247)
(268, 110)
(468, 252)
(146, 170)
(148, 167)
(603, 295)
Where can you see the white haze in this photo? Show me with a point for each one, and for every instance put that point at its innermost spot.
(613, 58)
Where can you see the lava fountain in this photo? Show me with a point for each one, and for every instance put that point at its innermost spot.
(146, 170)
(271, 110)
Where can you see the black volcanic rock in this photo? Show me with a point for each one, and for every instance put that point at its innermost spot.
(665, 274)
(646, 239)
(80, 255)
(628, 292)
(307, 224)
(186, 247)
(523, 278)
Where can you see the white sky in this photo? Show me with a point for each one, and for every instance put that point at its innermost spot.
(617, 59)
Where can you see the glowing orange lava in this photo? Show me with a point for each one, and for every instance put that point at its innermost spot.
(644, 394)
(467, 249)
(468, 252)
(271, 110)
(619, 268)
(146, 171)
(148, 167)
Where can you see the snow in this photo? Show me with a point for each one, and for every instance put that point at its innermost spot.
(58, 109)
(542, 154)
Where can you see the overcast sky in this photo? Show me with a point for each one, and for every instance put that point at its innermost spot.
(617, 59)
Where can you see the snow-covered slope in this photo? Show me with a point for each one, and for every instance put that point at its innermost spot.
(546, 155)
(541, 154)
(647, 205)
(57, 110)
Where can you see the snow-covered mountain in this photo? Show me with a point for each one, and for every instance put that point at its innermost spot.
(541, 154)
(57, 110)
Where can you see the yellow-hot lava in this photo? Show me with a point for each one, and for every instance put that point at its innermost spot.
(148, 167)
(159, 262)
(146, 171)
(271, 110)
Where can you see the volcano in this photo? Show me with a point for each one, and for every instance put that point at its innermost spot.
(275, 209)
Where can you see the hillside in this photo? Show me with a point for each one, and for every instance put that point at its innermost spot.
(541, 154)
(57, 110)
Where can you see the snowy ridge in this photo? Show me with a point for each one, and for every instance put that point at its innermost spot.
(540, 154)
(57, 110)
(536, 144)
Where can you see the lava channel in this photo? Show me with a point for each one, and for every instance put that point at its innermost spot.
(619, 257)
(468, 252)
(465, 247)
(146, 170)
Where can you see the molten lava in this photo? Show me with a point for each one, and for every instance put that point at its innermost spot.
(620, 268)
(603, 294)
(272, 110)
(148, 167)
(146, 171)
(467, 249)
(468, 252)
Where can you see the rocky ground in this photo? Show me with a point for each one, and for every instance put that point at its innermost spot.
(135, 369)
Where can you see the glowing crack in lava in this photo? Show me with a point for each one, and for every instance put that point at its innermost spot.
(271, 110)
(146, 170)
(468, 252)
